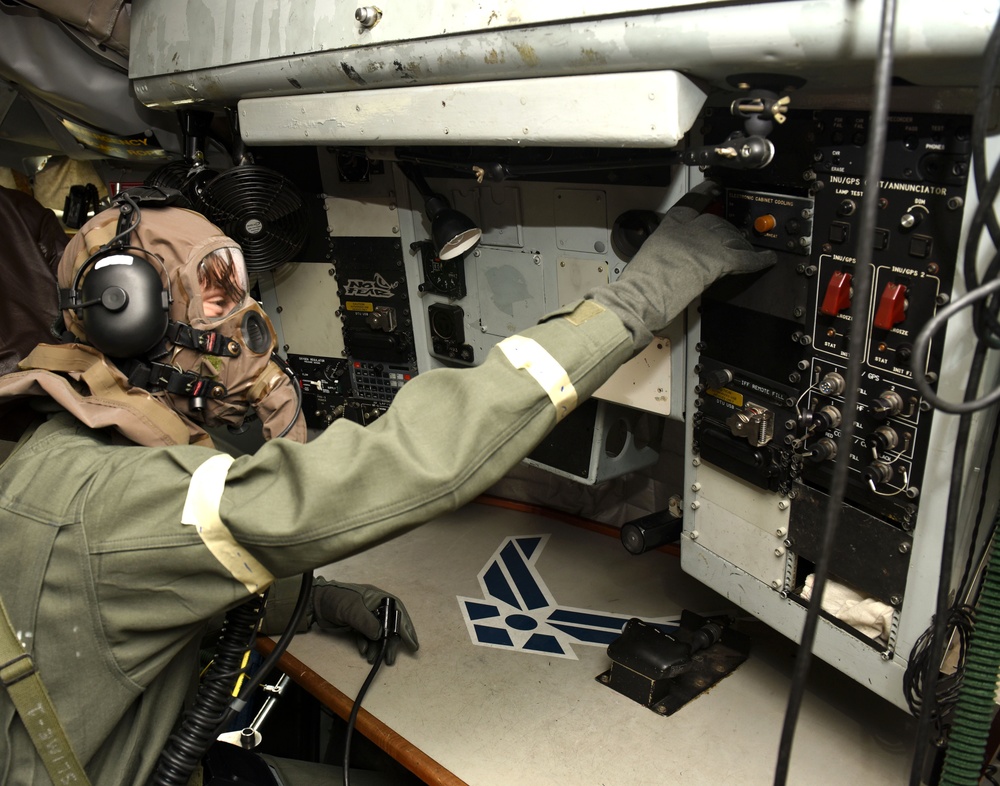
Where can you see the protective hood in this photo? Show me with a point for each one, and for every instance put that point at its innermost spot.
(210, 356)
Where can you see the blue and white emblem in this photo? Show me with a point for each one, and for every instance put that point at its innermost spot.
(518, 612)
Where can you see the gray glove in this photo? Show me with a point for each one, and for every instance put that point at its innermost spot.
(687, 252)
(341, 608)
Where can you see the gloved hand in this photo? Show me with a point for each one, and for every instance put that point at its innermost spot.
(688, 251)
(339, 608)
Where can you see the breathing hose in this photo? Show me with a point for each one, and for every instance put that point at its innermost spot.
(963, 764)
(186, 746)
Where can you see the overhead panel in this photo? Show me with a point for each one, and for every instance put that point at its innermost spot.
(264, 48)
(650, 109)
(223, 32)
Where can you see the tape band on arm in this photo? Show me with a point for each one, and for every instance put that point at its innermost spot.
(528, 354)
(201, 510)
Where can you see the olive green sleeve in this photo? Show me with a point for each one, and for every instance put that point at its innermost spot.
(289, 508)
(448, 436)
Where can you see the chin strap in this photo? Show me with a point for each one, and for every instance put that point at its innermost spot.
(32, 702)
(211, 342)
(155, 377)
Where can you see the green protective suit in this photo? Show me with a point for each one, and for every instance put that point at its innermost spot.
(111, 592)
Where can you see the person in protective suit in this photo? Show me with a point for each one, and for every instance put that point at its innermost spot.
(124, 530)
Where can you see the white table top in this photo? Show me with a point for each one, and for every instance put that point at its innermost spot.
(504, 715)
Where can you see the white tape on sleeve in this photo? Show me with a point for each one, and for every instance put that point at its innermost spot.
(528, 354)
(201, 510)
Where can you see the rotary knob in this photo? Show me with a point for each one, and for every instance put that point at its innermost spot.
(912, 217)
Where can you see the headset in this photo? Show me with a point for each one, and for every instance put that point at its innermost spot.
(124, 301)
(122, 296)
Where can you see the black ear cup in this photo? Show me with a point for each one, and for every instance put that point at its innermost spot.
(126, 305)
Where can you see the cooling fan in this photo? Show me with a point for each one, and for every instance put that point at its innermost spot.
(185, 177)
(261, 210)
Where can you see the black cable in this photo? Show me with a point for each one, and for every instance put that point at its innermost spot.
(959, 623)
(921, 348)
(981, 122)
(929, 712)
(237, 705)
(859, 314)
(125, 196)
(984, 317)
(939, 626)
(986, 189)
(388, 615)
(284, 366)
(353, 718)
(923, 666)
(930, 655)
(976, 555)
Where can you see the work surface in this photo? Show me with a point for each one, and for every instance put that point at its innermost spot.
(498, 695)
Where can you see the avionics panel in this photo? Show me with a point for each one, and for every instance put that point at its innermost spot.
(768, 376)
(378, 306)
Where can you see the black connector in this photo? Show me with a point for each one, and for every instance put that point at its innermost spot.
(388, 617)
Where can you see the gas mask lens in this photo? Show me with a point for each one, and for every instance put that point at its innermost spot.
(222, 277)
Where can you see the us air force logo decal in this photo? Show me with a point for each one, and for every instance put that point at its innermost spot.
(517, 611)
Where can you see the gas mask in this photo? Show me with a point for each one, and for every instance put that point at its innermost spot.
(210, 355)
(229, 340)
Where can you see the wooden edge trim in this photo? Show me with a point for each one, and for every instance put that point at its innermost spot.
(401, 749)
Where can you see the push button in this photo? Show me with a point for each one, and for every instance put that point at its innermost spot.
(764, 224)
(839, 232)
(920, 246)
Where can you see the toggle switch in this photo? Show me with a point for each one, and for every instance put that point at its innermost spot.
(837, 297)
(891, 307)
